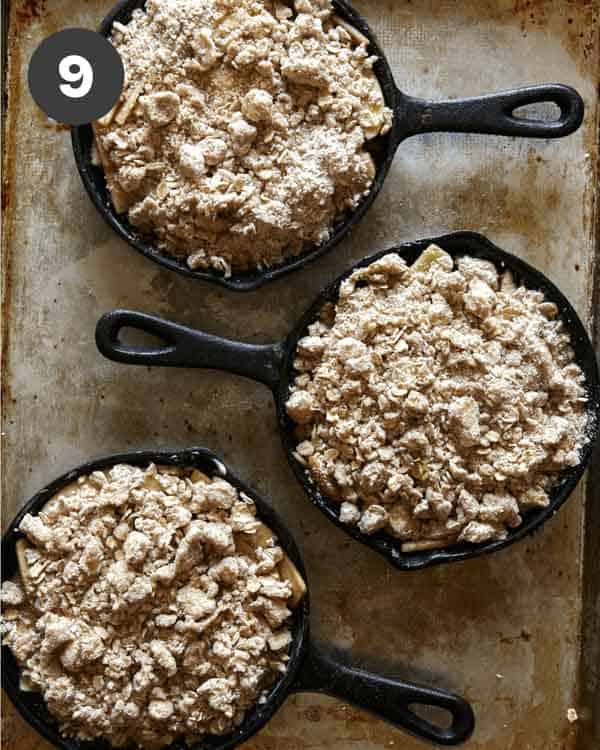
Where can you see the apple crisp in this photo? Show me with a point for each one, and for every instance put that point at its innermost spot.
(437, 401)
(239, 139)
(153, 604)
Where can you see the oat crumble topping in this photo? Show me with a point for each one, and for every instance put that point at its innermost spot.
(240, 136)
(438, 401)
(152, 604)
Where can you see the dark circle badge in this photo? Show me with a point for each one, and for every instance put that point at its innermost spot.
(75, 76)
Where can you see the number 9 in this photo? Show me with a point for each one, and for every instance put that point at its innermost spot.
(83, 76)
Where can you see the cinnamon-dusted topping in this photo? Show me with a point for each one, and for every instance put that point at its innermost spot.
(437, 402)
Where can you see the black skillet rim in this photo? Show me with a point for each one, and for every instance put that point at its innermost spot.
(95, 185)
(31, 705)
(457, 244)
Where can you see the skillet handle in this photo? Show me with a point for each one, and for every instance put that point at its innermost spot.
(186, 347)
(388, 698)
(493, 113)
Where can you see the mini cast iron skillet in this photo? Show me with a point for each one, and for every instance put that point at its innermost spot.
(312, 667)
(491, 114)
(273, 365)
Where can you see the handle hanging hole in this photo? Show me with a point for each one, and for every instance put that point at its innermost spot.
(540, 111)
(138, 340)
(439, 717)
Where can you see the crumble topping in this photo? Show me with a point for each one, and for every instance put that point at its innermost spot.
(437, 402)
(240, 135)
(153, 604)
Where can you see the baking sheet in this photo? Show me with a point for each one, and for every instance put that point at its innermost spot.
(516, 633)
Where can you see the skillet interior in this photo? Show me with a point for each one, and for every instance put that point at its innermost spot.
(381, 148)
(456, 244)
(32, 706)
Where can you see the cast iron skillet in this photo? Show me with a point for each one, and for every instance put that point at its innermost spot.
(491, 114)
(273, 365)
(312, 667)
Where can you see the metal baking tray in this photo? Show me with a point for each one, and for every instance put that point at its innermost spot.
(517, 633)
